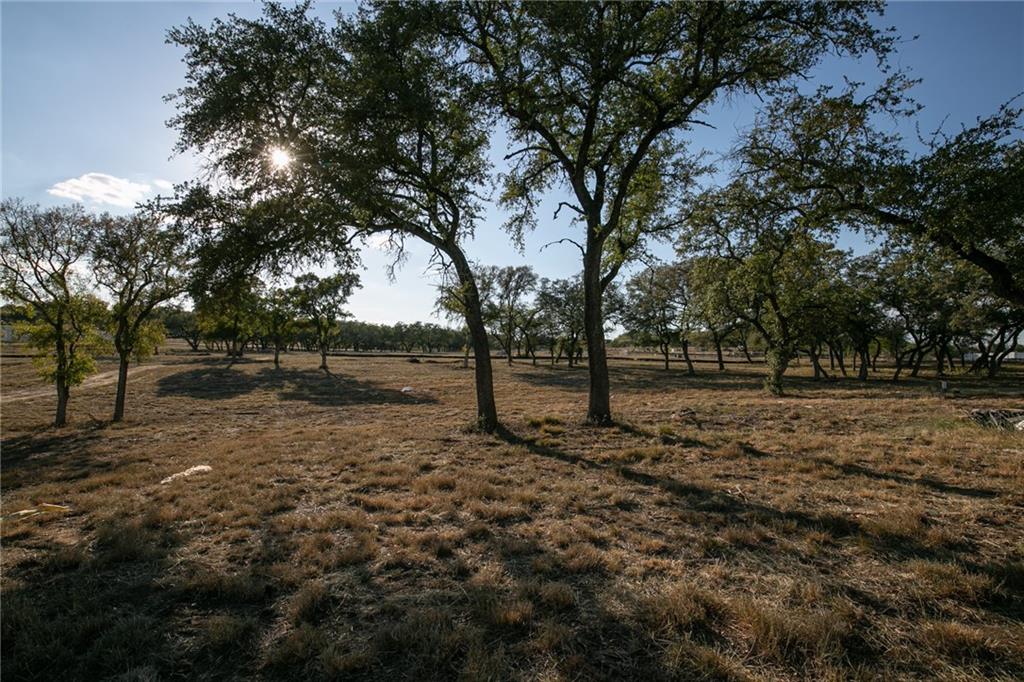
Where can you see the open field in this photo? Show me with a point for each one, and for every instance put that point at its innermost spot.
(350, 530)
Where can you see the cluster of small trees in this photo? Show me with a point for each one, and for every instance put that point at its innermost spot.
(794, 296)
(523, 313)
(273, 323)
(53, 260)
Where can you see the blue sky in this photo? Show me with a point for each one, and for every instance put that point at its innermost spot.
(83, 114)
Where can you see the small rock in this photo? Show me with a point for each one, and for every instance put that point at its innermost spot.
(407, 389)
(1020, 425)
(198, 469)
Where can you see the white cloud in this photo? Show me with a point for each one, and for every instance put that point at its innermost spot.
(165, 185)
(100, 188)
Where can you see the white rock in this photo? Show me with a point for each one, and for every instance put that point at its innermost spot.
(407, 389)
(198, 469)
(1020, 425)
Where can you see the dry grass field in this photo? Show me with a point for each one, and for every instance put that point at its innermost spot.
(350, 530)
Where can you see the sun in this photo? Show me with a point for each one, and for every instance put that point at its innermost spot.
(280, 158)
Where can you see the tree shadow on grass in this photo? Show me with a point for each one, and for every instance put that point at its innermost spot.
(718, 505)
(67, 452)
(640, 378)
(637, 378)
(90, 612)
(316, 387)
(850, 469)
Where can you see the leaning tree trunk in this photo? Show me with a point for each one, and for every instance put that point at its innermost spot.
(486, 410)
(686, 356)
(122, 387)
(599, 408)
(746, 349)
(899, 364)
(815, 354)
(918, 361)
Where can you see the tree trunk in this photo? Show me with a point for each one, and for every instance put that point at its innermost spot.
(63, 393)
(918, 361)
(277, 356)
(899, 366)
(323, 358)
(840, 358)
(865, 364)
(815, 355)
(665, 353)
(874, 358)
(746, 350)
(686, 356)
(778, 361)
(718, 351)
(486, 410)
(599, 408)
(122, 388)
(940, 359)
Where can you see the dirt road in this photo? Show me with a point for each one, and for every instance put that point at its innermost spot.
(101, 379)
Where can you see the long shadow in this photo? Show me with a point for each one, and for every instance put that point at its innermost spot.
(859, 470)
(700, 499)
(33, 457)
(307, 385)
(90, 613)
(796, 387)
(927, 481)
(641, 378)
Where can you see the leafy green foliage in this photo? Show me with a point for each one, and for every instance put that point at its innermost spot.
(322, 300)
(594, 95)
(657, 308)
(82, 340)
(40, 251)
(775, 271)
(961, 194)
(137, 261)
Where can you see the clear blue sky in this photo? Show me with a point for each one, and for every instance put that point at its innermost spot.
(83, 114)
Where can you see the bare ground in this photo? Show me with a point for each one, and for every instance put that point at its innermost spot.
(350, 530)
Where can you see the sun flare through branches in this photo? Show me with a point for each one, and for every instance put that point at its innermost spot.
(280, 159)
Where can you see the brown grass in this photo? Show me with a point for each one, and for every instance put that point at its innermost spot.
(350, 531)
